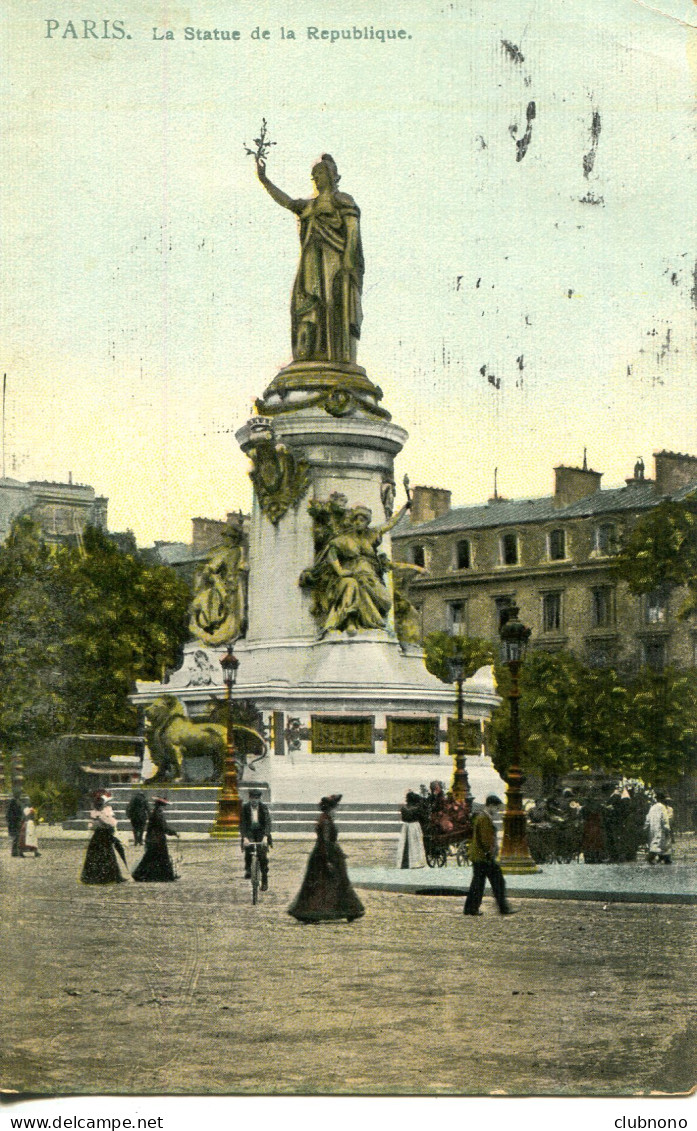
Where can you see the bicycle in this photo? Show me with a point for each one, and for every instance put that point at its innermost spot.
(254, 871)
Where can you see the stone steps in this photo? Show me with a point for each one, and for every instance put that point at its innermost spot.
(193, 810)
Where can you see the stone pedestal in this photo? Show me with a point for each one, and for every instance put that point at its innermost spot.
(354, 714)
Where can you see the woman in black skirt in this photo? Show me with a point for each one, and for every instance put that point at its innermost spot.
(101, 865)
(156, 865)
(326, 891)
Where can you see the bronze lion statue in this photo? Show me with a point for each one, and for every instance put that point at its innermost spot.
(172, 737)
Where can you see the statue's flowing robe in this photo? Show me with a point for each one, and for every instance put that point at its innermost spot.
(329, 281)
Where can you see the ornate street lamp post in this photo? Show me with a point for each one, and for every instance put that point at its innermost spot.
(460, 786)
(515, 855)
(227, 822)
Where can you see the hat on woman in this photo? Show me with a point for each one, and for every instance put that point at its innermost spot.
(331, 801)
(160, 801)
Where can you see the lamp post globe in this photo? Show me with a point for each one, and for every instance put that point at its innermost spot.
(515, 855)
(227, 822)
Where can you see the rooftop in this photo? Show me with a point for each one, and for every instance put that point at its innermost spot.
(639, 495)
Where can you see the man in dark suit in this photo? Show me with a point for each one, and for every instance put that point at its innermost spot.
(138, 811)
(482, 853)
(14, 815)
(255, 828)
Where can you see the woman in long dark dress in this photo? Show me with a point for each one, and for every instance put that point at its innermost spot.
(156, 865)
(101, 865)
(326, 891)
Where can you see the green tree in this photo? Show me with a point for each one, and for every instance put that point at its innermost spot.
(125, 620)
(661, 551)
(439, 647)
(78, 626)
(32, 628)
(573, 717)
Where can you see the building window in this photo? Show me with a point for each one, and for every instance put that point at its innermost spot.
(503, 604)
(418, 555)
(600, 654)
(551, 612)
(456, 617)
(557, 545)
(656, 607)
(603, 613)
(463, 555)
(509, 549)
(654, 654)
(605, 540)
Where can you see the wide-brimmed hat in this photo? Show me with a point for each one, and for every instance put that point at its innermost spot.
(160, 801)
(330, 801)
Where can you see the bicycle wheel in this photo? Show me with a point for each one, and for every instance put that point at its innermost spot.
(255, 874)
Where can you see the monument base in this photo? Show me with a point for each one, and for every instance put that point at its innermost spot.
(353, 715)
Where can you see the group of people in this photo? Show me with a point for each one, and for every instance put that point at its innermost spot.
(437, 810)
(430, 817)
(608, 824)
(325, 894)
(101, 864)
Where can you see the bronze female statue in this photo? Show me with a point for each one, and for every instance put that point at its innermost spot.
(325, 306)
(348, 576)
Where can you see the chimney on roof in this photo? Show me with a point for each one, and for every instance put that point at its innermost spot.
(206, 533)
(571, 484)
(428, 503)
(673, 471)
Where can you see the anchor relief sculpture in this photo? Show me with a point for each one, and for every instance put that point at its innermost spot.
(280, 478)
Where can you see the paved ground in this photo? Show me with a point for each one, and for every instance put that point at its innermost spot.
(187, 988)
(618, 883)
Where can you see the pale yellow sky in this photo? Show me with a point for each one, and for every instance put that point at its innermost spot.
(147, 275)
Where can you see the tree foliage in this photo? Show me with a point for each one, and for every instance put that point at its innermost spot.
(439, 647)
(574, 717)
(661, 552)
(78, 626)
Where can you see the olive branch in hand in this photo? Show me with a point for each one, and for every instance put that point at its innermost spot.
(263, 145)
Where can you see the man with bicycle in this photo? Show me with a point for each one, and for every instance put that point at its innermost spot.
(255, 828)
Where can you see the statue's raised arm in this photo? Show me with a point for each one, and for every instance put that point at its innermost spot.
(325, 308)
(276, 193)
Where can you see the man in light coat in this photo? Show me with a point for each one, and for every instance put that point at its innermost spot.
(657, 829)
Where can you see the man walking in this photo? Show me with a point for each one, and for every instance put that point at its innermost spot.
(255, 828)
(483, 856)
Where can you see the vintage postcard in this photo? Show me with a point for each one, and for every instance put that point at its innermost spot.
(348, 518)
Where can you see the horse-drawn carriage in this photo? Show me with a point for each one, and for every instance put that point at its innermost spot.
(446, 828)
(557, 840)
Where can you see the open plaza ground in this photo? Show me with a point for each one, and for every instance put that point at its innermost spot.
(187, 988)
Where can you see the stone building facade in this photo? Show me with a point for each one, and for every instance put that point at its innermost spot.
(61, 510)
(551, 557)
